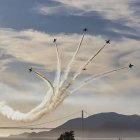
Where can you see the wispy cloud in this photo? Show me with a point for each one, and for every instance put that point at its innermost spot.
(117, 10)
(61, 10)
(21, 49)
(30, 47)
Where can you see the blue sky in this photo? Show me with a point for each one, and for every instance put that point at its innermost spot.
(65, 16)
(27, 29)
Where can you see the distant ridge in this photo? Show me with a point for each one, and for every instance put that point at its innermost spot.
(99, 125)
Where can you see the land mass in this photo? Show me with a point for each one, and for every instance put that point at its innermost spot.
(99, 125)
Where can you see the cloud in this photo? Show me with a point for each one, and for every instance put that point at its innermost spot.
(60, 10)
(105, 6)
(69, 17)
(28, 47)
(24, 48)
(38, 49)
(108, 7)
(120, 11)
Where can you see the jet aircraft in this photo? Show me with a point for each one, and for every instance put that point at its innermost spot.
(85, 29)
(30, 70)
(54, 40)
(84, 69)
(130, 65)
(107, 41)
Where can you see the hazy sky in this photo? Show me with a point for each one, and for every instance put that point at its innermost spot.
(27, 29)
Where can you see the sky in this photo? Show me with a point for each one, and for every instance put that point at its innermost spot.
(27, 30)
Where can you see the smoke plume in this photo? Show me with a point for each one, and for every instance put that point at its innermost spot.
(58, 90)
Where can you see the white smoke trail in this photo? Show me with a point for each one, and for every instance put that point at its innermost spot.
(88, 62)
(83, 67)
(48, 104)
(58, 72)
(46, 107)
(57, 92)
(94, 77)
(34, 114)
(72, 60)
(46, 80)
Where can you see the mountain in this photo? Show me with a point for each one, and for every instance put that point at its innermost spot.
(99, 125)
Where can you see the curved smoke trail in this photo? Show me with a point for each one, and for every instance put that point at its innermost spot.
(72, 60)
(48, 104)
(94, 77)
(45, 79)
(57, 92)
(46, 107)
(88, 62)
(83, 67)
(58, 72)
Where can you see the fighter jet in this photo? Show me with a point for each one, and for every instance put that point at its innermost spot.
(130, 65)
(30, 70)
(84, 69)
(54, 40)
(107, 41)
(85, 29)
